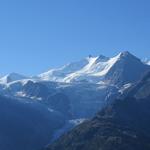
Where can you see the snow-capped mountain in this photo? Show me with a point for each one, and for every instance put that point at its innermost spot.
(81, 70)
(79, 89)
(12, 77)
(127, 69)
(60, 73)
(85, 85)
(98, 70)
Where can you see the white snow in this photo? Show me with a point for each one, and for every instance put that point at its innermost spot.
(60, 73)
(11, 77)
(51, 110)
(96, 68)
(76, 122)
(21, 94)
(90, 69)
(126, 86)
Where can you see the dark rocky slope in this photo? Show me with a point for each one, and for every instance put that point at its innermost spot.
(123, 125)
(26, 126)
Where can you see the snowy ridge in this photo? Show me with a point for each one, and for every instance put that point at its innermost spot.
(90, 69)
(96, 68)
(12, 77)
(60, 73)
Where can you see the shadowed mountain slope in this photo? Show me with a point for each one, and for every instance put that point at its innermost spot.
(120, 126)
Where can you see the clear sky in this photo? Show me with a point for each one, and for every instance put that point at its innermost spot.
(36, 35)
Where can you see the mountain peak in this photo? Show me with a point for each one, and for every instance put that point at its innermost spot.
(127, 54)
(97, 68)
(12, 77)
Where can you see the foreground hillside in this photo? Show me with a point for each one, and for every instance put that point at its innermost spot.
(26, 126)
(120, 126)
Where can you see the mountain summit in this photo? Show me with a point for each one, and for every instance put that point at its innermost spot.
(100, 68)
(12, 77)
(92, 69)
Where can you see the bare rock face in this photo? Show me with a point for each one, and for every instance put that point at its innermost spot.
(120, 126)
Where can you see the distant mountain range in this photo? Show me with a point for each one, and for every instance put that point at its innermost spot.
(68, 95)
(98, 69)
(87, 85)
(91, 69)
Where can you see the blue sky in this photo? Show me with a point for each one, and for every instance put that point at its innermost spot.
(36, 35)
